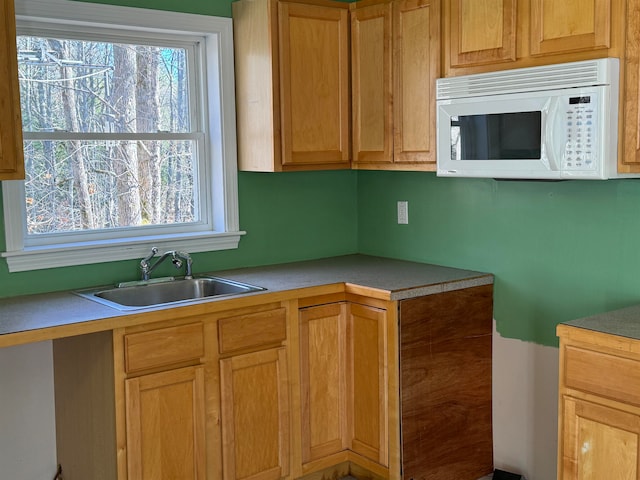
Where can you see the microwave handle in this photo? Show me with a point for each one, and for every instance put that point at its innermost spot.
(550, 117)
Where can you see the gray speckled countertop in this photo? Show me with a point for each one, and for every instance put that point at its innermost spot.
(400, 279)
(624, 322)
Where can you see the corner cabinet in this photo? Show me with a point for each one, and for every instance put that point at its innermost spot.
(599, 405)
(292, 81)
(11, 150)
(395, 52)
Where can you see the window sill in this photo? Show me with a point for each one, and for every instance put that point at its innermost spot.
(37, 258)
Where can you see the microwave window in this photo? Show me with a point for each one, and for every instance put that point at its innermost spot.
(499, 136)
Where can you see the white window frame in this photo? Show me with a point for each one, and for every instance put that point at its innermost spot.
(218, 191)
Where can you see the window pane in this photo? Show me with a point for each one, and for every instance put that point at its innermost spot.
(84, 86)
(91, 185)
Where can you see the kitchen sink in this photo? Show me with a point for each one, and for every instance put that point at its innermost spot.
(168, 291)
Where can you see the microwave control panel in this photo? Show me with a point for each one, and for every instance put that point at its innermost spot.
(581, 117)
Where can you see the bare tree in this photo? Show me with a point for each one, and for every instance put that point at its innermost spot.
(125, 159)
(147, 120)
(78, 167)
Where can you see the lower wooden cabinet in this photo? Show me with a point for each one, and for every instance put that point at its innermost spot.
(319, 385)
(166, 425)
(343, 381)
(599, 406)
(254, 393)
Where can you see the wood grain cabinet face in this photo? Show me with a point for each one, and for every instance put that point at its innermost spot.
(292, 81)
(255, 415)
(395, 62)
(323, 382)
(344, 381)
(166, 425)
(629, 156)
(599, 406)
(481, 32)
(568, 26)
(11, 151)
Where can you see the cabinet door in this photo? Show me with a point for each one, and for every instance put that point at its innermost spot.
(165, 415)
(255, 416)
(598, 442)
(569, 25)
(416, 57)
(371, 83)
(481, 32)
(368, 389)
(11, 152)
(629, 157)
(314, 82)
(323, 380)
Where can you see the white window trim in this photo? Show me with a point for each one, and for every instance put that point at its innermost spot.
(226, 233)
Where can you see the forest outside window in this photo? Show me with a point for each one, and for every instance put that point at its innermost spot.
(128, 132)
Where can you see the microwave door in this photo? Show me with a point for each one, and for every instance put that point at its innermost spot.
(492, 137)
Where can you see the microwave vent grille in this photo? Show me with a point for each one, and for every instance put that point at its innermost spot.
(532, 79)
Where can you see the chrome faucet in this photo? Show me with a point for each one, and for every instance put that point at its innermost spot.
(177, 258)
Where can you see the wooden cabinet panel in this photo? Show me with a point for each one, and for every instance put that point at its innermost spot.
(292, 81)
(481, 32)
(371, 67)
(314, 81)
(369, 435)
(166, 425)
(416, 67)
(323, 380)
(599, 442)
(570, 25)
(11, 151)
(252, 330)
(445, 378)
(395, 63)
(163, 347)
(255, 416)
(629, 156)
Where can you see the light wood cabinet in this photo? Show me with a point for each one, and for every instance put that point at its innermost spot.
(481, 32)
(323, 380)
(599, 405)
(343, 370)
(395, 61)
(292, 81)
(11, 151)
(485, 35)
(255, 415)
(629, 146)
(254, 395)
(166, 425)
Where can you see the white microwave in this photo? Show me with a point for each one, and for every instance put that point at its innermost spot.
(551, 122)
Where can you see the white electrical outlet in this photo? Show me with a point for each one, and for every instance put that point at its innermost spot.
(403, 213)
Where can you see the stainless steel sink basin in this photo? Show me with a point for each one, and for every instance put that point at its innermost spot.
(170, 291)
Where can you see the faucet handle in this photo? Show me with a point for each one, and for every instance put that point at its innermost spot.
(144, 263)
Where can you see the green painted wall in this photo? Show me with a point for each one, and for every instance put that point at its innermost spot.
(559, 250)
(287, 217)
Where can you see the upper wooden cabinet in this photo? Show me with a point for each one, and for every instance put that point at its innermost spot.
(292, 81)
(481, 32)
(629, 146)
(11, 153)
(395, 61)
(486, 35)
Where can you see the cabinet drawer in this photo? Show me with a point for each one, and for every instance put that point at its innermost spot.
(252, 330)
(164, 346)
(602, 374)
